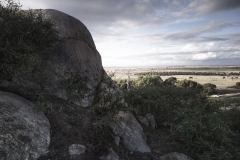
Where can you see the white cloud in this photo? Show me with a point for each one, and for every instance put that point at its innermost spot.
(204, 56)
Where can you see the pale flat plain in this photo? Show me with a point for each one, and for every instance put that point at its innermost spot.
(217, 80)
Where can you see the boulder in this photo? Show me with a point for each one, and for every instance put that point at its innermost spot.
(175, 156)
(151, 120)
(75, 55)
(24, 133)
(143, 120)
(131, 132)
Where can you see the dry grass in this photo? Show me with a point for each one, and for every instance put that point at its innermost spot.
(217, 80)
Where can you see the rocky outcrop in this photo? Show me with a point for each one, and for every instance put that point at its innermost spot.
(131, 132)
(24, 133)
(75, 59)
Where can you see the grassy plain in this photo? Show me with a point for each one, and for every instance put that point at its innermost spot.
(228, 95)
(217, 80)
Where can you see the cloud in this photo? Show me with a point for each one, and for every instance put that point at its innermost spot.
(193, 34)
(203, 7)
(126, 30)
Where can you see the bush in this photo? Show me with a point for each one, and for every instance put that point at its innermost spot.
(238, 85)
(149, 81)
(204, 134)
(170, 81)
(188, 84)
(209, 88)
(24, 38)
(204, 131)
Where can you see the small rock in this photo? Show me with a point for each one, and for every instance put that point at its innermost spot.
(111, 155)
(151, 120)
(143, 120)
(175, 156)
(117, 140)
(76, 149)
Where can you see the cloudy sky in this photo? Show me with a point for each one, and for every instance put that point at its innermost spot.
(157, 32)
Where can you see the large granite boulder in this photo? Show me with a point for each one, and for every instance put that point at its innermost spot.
(75, 57)
(24, 133)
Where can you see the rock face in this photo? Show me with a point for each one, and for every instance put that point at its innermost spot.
(24, 133)
(77, 53)
(131, 132)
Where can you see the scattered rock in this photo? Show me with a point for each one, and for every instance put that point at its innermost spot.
(143, 120)
(24, 133)
(131, 132)
(111, 155)
(76, 149)
(175, 156)
(151, 120)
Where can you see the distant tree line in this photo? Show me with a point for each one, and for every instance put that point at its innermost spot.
(158, 73)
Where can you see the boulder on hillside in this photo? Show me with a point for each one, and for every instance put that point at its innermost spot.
(24, 133)
(131, 132)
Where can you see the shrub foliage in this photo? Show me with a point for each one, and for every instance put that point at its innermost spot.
(24, 37)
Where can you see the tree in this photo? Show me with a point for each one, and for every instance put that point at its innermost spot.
(188, 84)
(128, 73)
(170, 81)
(149, 81)
(209, 88)
(24, 38)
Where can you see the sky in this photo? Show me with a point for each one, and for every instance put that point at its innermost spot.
(129, 33)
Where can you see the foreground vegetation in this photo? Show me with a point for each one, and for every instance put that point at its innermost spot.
(203, 126)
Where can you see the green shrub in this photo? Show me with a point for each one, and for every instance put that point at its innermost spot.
(209, 88)
(188, 84)
(161, 101)
(204, 134)
(237, 85)
(24, 38)
(170, 81)
(149, 81)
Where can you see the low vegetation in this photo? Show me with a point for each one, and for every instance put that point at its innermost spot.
(237, 86)
(203, 126)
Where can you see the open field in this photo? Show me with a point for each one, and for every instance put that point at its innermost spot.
(217, 80)
(228, 95)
